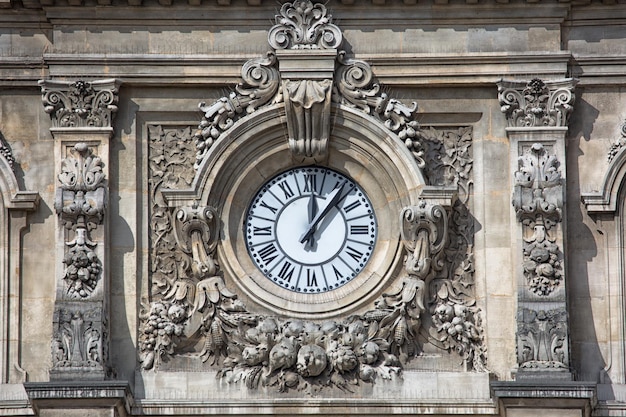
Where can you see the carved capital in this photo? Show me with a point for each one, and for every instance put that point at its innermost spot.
(304, 25)
(80, 104)
(537, 103)
(424, 235)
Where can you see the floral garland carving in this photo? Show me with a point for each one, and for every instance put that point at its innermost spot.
(618, 144)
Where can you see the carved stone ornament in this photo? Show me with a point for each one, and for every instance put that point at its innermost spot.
(80, 103)
(80, 204)
(5, 152)
(618, 144)
(78, 340)
(304, 25)
(537, 103)
(432, 301)
(542, 339)
(81, 196)
(538, 201)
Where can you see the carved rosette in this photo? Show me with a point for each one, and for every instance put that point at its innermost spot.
(304, 25)
(536, 103)
(80, 103)
(538, 201)
(80, 203)
(542, 339)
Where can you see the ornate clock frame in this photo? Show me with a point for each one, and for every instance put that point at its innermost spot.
(307, 104)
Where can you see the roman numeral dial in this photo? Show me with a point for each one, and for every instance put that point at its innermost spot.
(310, 230)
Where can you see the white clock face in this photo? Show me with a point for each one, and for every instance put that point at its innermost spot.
(310, 230)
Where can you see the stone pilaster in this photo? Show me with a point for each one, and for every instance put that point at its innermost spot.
(537, 114)
(82, 114)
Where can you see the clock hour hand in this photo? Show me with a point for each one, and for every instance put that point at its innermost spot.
(312, 209)
(332, 199)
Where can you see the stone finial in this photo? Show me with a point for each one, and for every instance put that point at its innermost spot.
(304, 25)
(80, 104)
(537, 103)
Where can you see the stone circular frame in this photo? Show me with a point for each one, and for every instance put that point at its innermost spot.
(255, 149)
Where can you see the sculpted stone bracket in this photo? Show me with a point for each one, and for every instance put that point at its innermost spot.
(82, 125)
(537, 114)
(312, 73)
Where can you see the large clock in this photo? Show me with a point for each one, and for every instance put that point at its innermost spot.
(310, 230)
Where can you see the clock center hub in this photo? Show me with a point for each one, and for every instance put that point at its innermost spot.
(328, 237)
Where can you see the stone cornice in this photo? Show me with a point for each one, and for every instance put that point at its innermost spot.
(36, 4)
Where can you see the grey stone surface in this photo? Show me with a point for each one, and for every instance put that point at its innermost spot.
(449, 58)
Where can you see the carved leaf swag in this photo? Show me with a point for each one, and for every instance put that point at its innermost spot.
(80, 204)
(537, 103)
(618, 144)
(80, 105)
(542, 339)
(538, 202)
(5, 152)
(77, 339)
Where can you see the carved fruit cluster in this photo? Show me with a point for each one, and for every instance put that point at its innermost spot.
(164, 323)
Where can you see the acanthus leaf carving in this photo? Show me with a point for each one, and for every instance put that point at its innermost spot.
(304, 25)
(537, 103)
(80, 103)
(78, 338)
(618, 144)
(260, 85)
(542, 339)
(538, 202)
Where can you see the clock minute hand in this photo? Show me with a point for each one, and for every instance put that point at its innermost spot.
(312, 209)
(332, 199)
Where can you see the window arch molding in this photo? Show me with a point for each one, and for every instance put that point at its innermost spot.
(14, 205)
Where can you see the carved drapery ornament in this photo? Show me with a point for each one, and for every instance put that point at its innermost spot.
(538, 201)
(81, 103)
(536, 103)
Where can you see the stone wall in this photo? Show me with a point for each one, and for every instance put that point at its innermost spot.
(516, 140)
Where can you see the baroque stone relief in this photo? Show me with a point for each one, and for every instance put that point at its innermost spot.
(81, 103)
(618, 144)
(538, 202)
(80, 204)
(194, 302)
(542, 339)
(432, 301)
(77, 340)
(537, 103)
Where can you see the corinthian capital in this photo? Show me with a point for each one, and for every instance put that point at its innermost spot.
(537, 103)
(80, 104)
